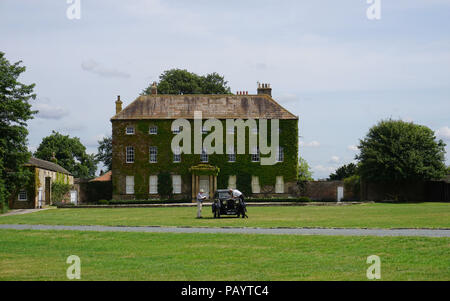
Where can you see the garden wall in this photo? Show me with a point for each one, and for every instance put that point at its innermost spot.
(327, 191)
(411, 191)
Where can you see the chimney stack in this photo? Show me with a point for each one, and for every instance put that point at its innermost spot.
(264, 89)
(118, 105)
(154, 89)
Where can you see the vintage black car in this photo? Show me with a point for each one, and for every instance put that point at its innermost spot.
(224, 204)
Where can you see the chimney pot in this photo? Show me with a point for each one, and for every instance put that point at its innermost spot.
(264, 89)
(118, 105)
(154, 89)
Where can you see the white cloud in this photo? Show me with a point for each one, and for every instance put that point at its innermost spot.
(49, 111)
(334, 159)
(92, 142)
(99, 69)
(443, 133)
(353, 148)
(313, 143)
(324, 169)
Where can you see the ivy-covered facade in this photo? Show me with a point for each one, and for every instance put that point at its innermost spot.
(38, 190)
(141, 153)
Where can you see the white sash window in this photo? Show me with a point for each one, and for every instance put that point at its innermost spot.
(279, 186)
(130, 154)
(153, 183)
(255, 185)
(153, 154)
(232, 182)
(176, 182)
(129, 184)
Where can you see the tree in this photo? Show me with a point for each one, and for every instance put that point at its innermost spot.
(177, 81)
(395, 150)
(70, 153)
(15, 111)
(343, 172)
(304, 171)
(104, 153)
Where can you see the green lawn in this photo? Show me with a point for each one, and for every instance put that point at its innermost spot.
(421, 215)
(41, 255)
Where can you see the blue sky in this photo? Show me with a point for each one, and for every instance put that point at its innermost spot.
(338, 71)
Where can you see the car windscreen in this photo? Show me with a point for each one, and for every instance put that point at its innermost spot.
(224, 195)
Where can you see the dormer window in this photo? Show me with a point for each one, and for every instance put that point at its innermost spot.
(130, 130)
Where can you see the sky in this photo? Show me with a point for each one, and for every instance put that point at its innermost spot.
(326, 61)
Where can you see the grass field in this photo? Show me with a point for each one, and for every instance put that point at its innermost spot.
(41, 255)
(421, 215)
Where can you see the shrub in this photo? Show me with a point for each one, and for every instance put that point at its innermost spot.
(3, 207)
(353, 184)
(59, 190)
(165, 185)
(103, 202)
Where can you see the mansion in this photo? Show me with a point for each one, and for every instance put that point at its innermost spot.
(142, 133)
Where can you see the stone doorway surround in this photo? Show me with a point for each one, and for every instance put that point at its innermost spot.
(203, 169)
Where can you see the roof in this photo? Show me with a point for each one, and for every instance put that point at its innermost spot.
(223, 106)
(107, 176)
(47, 165)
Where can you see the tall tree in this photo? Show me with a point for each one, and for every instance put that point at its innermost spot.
(104, 153)
(304, 171)
(343, 172)
(178, 81)
(395, 150)
(15, 111)
(69, 152)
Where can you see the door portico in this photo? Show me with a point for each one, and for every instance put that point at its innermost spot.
(204, 176)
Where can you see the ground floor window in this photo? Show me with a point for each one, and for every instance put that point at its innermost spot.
(153, 183)
(279, 186)
(23, 195)
(232, 182)
(255, 185)
(129, 184)
(176, 182)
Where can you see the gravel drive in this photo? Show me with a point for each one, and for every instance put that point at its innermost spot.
(291, 231)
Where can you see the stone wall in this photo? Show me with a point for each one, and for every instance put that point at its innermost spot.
(326, 191)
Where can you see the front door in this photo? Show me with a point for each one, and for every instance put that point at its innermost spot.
(204, 184)
(40, 197)
(47, 190)
(73, 197)
(340, 193)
